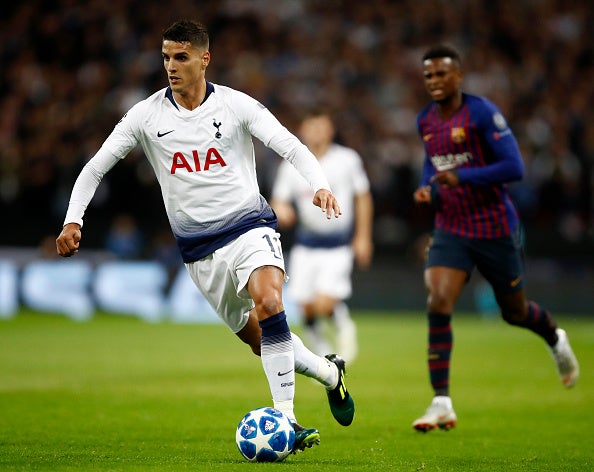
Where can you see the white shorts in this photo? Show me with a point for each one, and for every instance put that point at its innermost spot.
(320, 272)
(222, 276)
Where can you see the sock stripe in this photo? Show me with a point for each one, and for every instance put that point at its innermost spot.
(447, 346)
(439, 329)
(540, 322)
(439, 352)
(276, 335)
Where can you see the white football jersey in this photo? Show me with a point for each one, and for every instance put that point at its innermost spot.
(204, 162)
(344, 168)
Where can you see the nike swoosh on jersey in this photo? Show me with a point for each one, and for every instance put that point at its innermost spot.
(280, 374)
(160, 135)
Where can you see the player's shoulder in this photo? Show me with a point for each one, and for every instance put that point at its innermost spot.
(485, 113)
(225, 92)
(343, 152)
(237, 102)
(149, 102)
(479, 103)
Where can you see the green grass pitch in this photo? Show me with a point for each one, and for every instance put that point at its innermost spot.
(118, 394)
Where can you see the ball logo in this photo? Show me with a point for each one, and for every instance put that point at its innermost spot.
(269, 425)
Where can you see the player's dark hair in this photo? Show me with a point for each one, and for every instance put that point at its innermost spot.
(443, 50)
(317, 111)
(190, 31)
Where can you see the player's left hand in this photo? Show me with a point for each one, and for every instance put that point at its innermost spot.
(363, 251)
(326, 201)
(448, 178)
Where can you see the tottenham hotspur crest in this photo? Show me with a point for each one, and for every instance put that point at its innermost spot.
(217, 126)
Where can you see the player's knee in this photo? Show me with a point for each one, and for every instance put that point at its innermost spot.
(514, 310)
(513, 317)
(439, 303)
(323, 307)
(269, 304)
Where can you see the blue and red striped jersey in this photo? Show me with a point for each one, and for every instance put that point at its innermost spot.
(477, 142)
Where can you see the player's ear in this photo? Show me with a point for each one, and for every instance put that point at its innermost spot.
(205, 59)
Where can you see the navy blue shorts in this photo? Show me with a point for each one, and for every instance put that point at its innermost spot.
(499, 260)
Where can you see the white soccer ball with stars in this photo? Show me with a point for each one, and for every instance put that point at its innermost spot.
(265, 435)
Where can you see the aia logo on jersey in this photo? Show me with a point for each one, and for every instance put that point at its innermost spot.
(458, 135)
(193, 164)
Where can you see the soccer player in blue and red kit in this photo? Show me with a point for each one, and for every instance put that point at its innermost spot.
(471, 154)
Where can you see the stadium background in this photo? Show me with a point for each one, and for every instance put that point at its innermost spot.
(70, 69)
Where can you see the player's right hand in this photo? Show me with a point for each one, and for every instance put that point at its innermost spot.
(69, 239)
(327, 202)
(422, 194)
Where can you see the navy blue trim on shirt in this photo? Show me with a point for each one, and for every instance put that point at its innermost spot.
(323, 241)
(193, 248)
(169, 94)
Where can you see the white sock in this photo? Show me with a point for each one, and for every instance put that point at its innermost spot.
(309, 364)
(278, 360)
(346, 332)
(316, 339)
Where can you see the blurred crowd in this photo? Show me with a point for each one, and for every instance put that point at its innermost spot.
(71, 69)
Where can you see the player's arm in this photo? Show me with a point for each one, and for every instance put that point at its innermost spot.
(362, 238)
(508, 168)
(264, 126)
(499, 138)
(296, 153)
(67, 243)
(282, 196)
(426, 192)
(285, 213)
(122, 139)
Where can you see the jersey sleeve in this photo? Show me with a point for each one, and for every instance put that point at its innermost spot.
(125, 135)
(428, 169)
(507, 165)
(118, 144)
(264, 126)
(86, 184)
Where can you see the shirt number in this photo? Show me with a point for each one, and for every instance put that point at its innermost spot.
(275, 246)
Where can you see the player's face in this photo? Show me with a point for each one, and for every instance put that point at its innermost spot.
(442, 78)
(185, 65)
(317, 131)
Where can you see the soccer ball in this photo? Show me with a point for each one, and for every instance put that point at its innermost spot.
(265, 435)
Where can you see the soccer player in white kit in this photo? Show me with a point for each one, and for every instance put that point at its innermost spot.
(198, 138)
(321, 260)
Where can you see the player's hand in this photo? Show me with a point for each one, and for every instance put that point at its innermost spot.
(422, 194)
(326, 201)
(363, 251)
(69, 239)
(448, 178)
